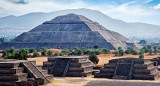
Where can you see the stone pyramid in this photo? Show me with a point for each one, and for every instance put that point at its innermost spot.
(130, 68)
(69, 66)
(69, 31)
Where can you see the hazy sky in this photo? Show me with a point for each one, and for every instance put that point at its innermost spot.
(147, 11)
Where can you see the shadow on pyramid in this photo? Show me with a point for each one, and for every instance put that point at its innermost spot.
(69, 31)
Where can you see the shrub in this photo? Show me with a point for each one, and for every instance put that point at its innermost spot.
(31, 50)
(116, 53)
(135, 52)
(80, 52)
(150, 51)
(61, 54)
(65, 51)
(44, 52)
(121, 52)
(94, 58)
(141, 56)
(96, 46)
(18, 55)
(97, 52)
(24, 50)
(74, 53)
(56, 54)
(106, 51)
(50, 52)
(35, 54)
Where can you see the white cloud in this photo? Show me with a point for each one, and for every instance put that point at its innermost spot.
(157, 7)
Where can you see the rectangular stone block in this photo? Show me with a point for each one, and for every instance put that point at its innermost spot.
(11, 71)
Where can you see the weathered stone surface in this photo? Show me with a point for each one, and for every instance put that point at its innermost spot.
(129, 68)
(69, 31)
(72, 66)
(17, 72)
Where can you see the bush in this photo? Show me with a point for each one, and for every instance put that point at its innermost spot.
(74, 53)
(141, 56)
(135, 52)
(94, 58)
(97, 52)
(106, 51)
(35, 54)
(96, 46)
(61, 54)
(56, 54)
(44, 52)
(65, 51)
(31, 50)
(121, 52)
(50, 52)
(116, 53)
(150, 51)
(18, 55)
(24, 50)
(80, 52)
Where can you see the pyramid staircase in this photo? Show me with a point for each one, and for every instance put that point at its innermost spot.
(60, 67)
(22, 73)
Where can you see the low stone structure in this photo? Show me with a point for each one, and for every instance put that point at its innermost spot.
(22, 73)
(71, 66)
(129, 68)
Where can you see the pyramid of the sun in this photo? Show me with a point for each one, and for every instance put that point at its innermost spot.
(69, 31)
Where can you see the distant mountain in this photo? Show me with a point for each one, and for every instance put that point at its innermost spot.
(15, 25)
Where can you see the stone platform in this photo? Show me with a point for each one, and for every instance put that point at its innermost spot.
(22, 73)
(69, 66)
(129, 68)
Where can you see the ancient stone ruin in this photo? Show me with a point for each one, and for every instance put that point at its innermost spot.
(69, 66)
(69, 31)
(129, 68)
(22, 73)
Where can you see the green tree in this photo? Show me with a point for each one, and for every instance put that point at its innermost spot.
(106, 51)
(80, 52)
(141, 56)
(50, 52)
(31, 50)
(135, 52)
(65, 51)
(12, 50)
(74, 52)
(61, 54)
(96, 46)
(116, 53)
(121, 52)
(119, 48)
(44, 52)
(24, 50)
(97, 52)
(94, 58)
(56, 54)
(35, 54)
(150, 51)
(18, 55)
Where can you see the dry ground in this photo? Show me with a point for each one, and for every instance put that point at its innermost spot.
(103, 58)
(89, 81)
